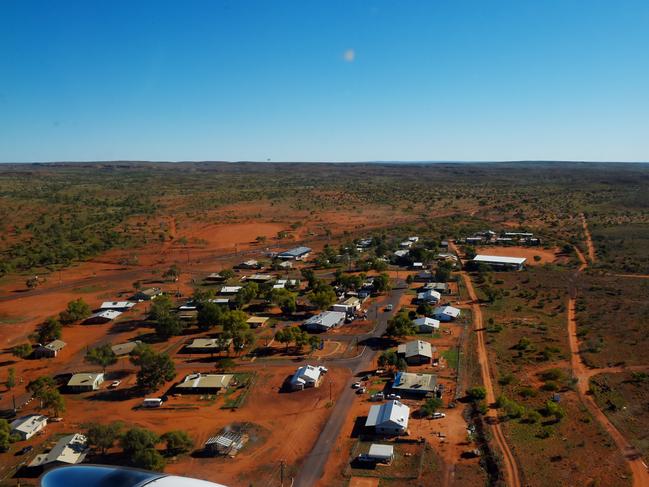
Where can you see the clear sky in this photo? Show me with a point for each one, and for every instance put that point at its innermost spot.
(324, 80)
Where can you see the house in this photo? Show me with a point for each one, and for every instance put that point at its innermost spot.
(208, 345)
(297, 253)
(85, 382)
(417, 265)
(27, 426)
(406, 244)
(117, 305)
(445, 313)
(123, 349)
(349, 306)
(428, 296)
(102, 317)
(257, 321)
(204, 383)
(400, 254)
(50, 350)
(286, 264)
(69, 450)
(324, 321)
(415, 383)
(259, 278)
(364, 243)
(390, 418)
(215, 277)
(378, 453)
(226, 443)
(306, 376)
(416, 352)
(230, 289)
(221, 301)
(426, 325)
(146, 294)
(440, 287)
(413, 239)
(424, 276)
(250, 264)
(188, 315)
(499, 262)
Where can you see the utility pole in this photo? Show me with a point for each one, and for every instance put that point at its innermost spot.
(281, 473)
(330, 386)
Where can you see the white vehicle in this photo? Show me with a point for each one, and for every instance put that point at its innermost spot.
(389, 307)
(152, 402)
(394, 396)
(439, 415)
(324, 370)
(115, 384)
(379, 396)
(356, 385)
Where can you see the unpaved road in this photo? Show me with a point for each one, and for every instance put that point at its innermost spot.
(509, 462)
(583, 374)
(589, 240)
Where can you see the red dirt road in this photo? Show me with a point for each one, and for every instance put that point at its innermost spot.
(509, 462)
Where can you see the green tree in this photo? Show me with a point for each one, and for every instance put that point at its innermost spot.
(53, 400)
(138, 439)
(400, 325)
(173, 273)
(322, 297)
(177, 442)
(476, 394)
(22, 351)
(382, 283)
(103, 436)
(310, 277)
(6, 438)
(102, 356)
(169, 325)
(443, 271)
(49, 330)
(148, 459)
(431, 406)
(210, 315)
(11, 378)
(155, 368)
(285, 299)
(40, 385)
(285, 335)
(76, 310)
(160, 307)
(247, 293)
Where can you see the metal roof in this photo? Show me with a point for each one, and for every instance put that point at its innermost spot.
(70, 449)
(499, 259)
(327, 319)
(447, 310)
(306, 373)
(294, 252)
(29, 424)
(85, 379)
(206, 381)
(416, 348)
(414, 382)
(381, 451)
(393, 412)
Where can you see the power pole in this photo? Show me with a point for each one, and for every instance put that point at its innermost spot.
(281, 473)
(330, 386)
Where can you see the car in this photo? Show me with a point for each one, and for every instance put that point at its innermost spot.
(361, 390)
(389, 307)
(24, 450)
(439, 415)
(379, 396)
(394, 396)
(356, 385)
(323, 369)
(115, 384)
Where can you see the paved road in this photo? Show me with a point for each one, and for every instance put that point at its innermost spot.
(313, 466)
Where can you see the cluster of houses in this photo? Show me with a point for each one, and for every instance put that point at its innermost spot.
(489, 237)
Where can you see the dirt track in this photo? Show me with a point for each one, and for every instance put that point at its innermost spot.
(589, 240)
(509, 462)
(583, 375)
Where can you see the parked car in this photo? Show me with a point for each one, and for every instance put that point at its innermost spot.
(439, 415)
(356, 385)
(389, 307)
(361, 390)
(379, 396)
(394, 396)
(115, 384)
(24, 450)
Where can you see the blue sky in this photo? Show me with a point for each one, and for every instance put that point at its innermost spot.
(326, 80)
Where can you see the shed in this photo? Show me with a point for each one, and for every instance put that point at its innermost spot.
(85, 382)
(325, 321)
(416, 352)
(204, 383)
(226, 443)
(28, 426)
(102, 316)
(297, 253)
(69, 450)
(50, 350)
(390, 418)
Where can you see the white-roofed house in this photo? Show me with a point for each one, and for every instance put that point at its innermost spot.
(416, 352)
(429, 296)
(500, 262)
(117, 305)
(204, 383)
(69, 450)
(85, 382)
(306, 376)
(390, 418)
(28, 426)
(102, 316)
(230, 290)
(50, 350)
(446, 313)
(325, 321)
(426, 325)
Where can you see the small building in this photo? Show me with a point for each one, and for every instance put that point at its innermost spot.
(215, 277)
(250, 264)
(208, 345)
(204, 383)
(27, 426)
(227, 443)
(297, 253)
(123, 349)
(416, 352)
(500, 262)
(417, 265)
(406, 244)
(285, 264)
(378, 453)
(415, 383)
(102, 317)
(426, 325)
(440, 287)
(400, 254)
(117, 305)
(50, 350)
(413, 239)
(390, 418)
(349, 306)
(257, 321)
(325, 321)
(188, 315)
(424, 276)
(446, 313)
(69, 450)
(429, 296)
(259, 278)
(230, 289)
(306, 376)
(85, 382)
(146, 294)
